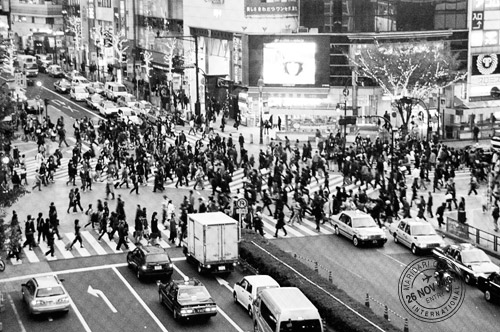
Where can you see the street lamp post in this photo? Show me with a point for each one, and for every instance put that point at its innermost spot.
(197, 104)
(260, 84)
(39, 85)
(345, 92)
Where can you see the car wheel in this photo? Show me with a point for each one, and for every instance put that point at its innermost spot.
(176, 315)
(355, 241)
(468, 279)
(337, 232)
(487, 296)
(414, 249)
(138, 274)
(255, 328)
(160, 298)
(250, 312)
(200, 269)
(235, 297)
(396, 238)
(128, 263)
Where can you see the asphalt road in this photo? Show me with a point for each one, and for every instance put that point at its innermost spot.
(376, 271)
(136, 302)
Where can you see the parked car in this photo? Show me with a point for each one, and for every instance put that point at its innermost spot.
(34, 106)
(127, 100)
(95, 87)
(490, 286)
(466, 261)
(94, 100)
(107, 108)
(55, 71)
(45, 295)
(417, 235)
(246, 290)
(187, 299)
(62, 86)
(78, 93)
(358, 227)
(114, 90)
(150, 261)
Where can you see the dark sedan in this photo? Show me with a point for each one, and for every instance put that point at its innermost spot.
(150, 261)
(62, 86)
(490, 286)
(187, 299)
(34, 106)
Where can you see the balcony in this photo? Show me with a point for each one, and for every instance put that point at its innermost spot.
(40, 10)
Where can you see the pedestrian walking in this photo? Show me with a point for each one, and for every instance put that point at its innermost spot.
(29, 232)
(173, 230)
(280, 224)
(429, 205)
(38, 181)
(78, 236)
(50, 242)
(122, 234)
(40, 227)
(155, 232)
(77, 201)
(440, 214)
(473, 185)
(495, 214)
(135, 183)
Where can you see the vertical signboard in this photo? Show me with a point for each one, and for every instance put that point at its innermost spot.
(484, 46)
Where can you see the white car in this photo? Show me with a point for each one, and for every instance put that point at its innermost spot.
(246, 290)
(78, 93)
(80, 81)
(55, 71)
(107, 108)
(127, 115)
(359, 227)
(94, 100)
(127, 100)
(142, 106)
(95, 87)
(417, 235)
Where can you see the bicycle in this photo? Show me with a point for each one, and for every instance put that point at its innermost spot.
(2, 265)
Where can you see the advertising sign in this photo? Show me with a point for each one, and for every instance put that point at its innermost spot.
(289, 63)
(271, 8)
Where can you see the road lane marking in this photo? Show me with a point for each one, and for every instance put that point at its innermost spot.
(78, 314)
(180, 272)
(394, 259)
(77, 270)
(66, 99)
(223, 282)
(94, 243)
(83, 252)
(19, 321)
(233, 323)
(140, 300)
(100, 293)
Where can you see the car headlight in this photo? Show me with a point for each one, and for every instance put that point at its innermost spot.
(186, 311)
(361, 236)
(208, 266)
(144, 267)
(170, 265)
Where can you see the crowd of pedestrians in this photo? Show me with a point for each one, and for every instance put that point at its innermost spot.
(277, 179)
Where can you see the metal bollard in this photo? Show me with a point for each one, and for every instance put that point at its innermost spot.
(406, 329)
(367, 301)
(316, 267)
(386, 313)
(330, 278)
(251, 138)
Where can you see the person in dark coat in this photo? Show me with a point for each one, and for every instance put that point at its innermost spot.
(440, 214)
(280, 224)
(29, 232)
(50, 242)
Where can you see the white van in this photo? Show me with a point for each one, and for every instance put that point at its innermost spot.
(27, 63)
(113, 90)
(285, 309)
(246, 290)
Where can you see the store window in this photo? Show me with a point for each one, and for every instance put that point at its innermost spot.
(49, 20)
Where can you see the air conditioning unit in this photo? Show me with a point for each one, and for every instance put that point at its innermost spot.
(303, 30)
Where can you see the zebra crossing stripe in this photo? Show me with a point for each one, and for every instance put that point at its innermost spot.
(111, 244)
(61, 247)
(30, 255)
(45, 248)
(91, 240)
(83, 252)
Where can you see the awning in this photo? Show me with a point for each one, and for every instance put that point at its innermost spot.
(469, 105)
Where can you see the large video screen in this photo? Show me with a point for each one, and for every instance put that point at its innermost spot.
(289, 63)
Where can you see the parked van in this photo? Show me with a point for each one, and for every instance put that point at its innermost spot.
(285, 309)
(27, 63)
(113, 90)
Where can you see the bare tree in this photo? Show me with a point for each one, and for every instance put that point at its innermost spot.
(75, 26)
(413, 70)
(9, 58)
(120, 49)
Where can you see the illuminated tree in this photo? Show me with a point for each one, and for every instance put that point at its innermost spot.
(412, 70)
(9, 59)
(75, 27)
(148, 57)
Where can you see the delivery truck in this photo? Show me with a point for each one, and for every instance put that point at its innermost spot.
(212, 242)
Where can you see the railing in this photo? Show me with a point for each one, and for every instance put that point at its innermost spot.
(472, 234)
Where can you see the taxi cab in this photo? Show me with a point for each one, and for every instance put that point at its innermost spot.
(45, 295)
(417, 235)
(187, 299)
(359, 227)
(150, 261)
(466, 261)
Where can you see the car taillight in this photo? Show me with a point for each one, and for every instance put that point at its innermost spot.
(63, 300)
(38, 302)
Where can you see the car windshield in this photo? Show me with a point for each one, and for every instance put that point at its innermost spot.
(421, 230)
(158, 258)
(474, 256)
(50, 291)
(194, 293)
(80, 90)
(121, 89)
(310, 325)
(84, 81)
(363, 222)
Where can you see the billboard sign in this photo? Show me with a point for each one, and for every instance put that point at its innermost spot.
(271, 8)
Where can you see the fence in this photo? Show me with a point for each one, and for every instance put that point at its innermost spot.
(472, 234)
(379, 308)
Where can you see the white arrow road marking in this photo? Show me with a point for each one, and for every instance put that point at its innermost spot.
(224, 283)
(69, 107)
(58, 102)
(75, 104)
(99, 293)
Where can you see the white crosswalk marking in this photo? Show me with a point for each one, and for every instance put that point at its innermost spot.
(83, 252)
(92, 241)
(45, 248)
(61, 247)
(30, 255)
